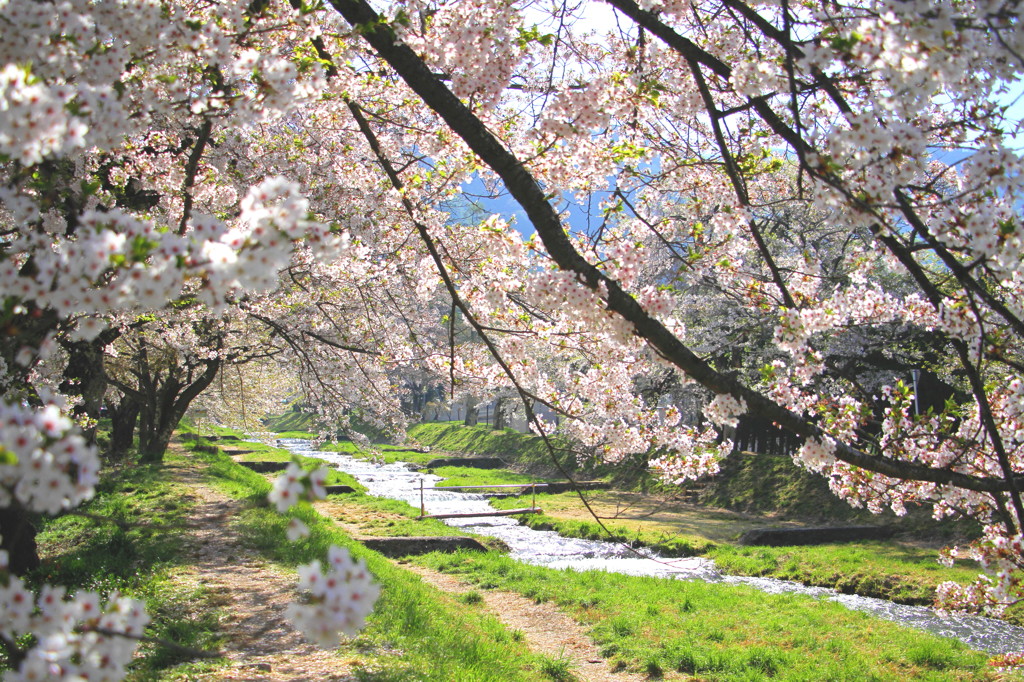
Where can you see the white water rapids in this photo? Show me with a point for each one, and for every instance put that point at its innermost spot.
(547, 548)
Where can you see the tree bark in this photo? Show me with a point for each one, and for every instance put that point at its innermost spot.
(19, 539)
(123, 419)
(165, 405)
(472, 413)
(86, 376)
(499, 413)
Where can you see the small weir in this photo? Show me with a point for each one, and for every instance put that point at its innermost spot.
(547, 548)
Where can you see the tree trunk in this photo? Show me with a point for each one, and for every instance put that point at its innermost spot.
(166, 403)
(499, 413)
(19, 539)
(472, 412)
(86, 376)
(157, 442)
(123, 418)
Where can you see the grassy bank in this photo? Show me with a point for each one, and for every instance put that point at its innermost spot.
(885, 569)
(246, 451)
(455, 438)
(416, 632)
(719, 632)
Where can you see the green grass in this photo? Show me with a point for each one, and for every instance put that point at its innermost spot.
(416, 632)
(293, 420)
(382, 517)
(721, 632)
(669, 545)
(558, 669)
(296, 434)
(522, 448)
(885, 569)
(456, 475)
(453, 475)
(136, 552)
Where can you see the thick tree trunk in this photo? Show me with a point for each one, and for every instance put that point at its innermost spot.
(472, 415)
(156, 444)
(86, 376)
(19, 539)
(165, 405)
(123, 419)
(500, 408)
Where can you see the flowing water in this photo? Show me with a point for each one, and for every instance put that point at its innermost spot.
(547, 548)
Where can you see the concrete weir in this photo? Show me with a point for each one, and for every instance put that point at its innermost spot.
(782, 537)
(475, 462)
(265, 467)
(396, 547)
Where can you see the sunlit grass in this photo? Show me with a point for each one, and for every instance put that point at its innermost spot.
(886, 569)
(132, 544)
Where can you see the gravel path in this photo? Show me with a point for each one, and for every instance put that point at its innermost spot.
(546, 629)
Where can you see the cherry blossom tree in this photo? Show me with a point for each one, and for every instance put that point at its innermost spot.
(164, 364)
(703, 100)
(117, 201)
(191, 153)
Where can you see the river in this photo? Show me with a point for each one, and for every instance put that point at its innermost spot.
(546, 548)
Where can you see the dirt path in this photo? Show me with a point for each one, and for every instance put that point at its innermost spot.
(546, 629)
(260, 644)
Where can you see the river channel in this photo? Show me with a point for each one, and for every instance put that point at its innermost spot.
(546, 548)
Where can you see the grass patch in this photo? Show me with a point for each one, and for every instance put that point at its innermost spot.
(721, 632)
(876, 568)
(667, 545)
(526, 450)
(454, 475)
(293, 420)
(557, 669)
(262, 452)
(382, 517)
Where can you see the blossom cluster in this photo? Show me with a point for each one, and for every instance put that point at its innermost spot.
(33, 120)
(338, 598)
(45, 464)
(297, 484)
(81, 637)
(691, 455)
(725, 409)
(477, 43)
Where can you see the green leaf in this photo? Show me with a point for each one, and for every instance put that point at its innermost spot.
(7, 457)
